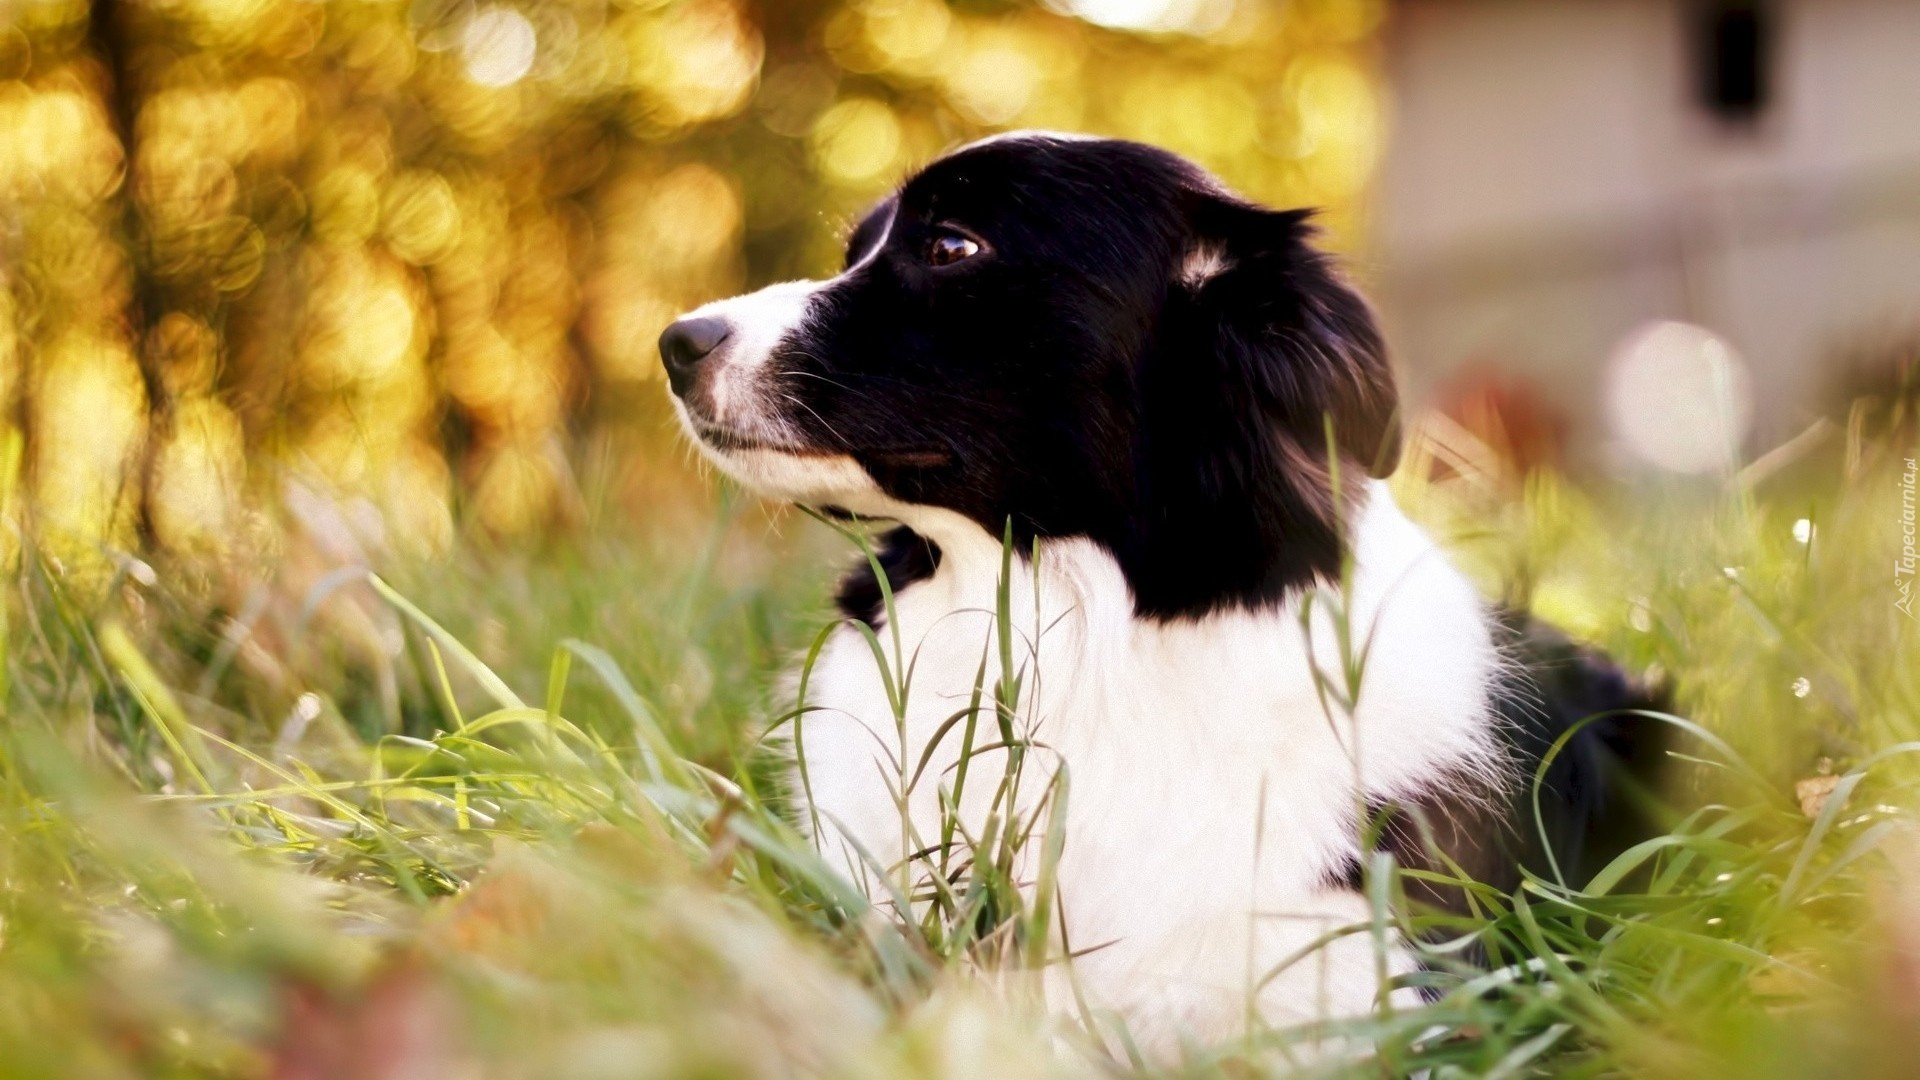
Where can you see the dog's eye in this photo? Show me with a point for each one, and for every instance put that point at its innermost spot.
(948, 247)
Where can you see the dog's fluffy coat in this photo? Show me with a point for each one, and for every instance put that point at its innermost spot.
(1171, 395)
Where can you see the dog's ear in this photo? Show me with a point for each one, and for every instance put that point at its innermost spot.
(1312, 350)
(1258, 345)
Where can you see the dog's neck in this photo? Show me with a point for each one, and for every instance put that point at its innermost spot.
(1418, 633)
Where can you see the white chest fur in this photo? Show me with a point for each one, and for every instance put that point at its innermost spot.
(1214, 795)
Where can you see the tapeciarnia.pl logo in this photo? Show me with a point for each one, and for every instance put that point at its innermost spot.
(1903, 566)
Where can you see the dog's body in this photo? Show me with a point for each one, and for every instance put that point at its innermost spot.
(1213, 794)
(1166, 393)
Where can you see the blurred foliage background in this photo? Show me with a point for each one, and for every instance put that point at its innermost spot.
(411, 257)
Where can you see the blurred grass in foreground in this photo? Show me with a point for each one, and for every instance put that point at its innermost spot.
(525, 829)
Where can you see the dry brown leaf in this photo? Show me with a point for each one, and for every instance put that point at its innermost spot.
(1813, 793)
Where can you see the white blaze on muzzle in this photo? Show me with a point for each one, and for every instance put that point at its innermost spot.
(740, 418)
(743, 421)
(735, 387)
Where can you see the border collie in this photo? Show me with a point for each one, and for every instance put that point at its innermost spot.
(1180, 414)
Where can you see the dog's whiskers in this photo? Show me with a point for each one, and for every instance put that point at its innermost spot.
(816, 375)
(841, 439)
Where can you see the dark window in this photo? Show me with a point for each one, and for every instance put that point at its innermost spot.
(1732, 53)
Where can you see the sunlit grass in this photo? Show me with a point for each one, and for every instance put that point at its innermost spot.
(519, 815)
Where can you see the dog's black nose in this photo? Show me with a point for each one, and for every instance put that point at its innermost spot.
(684, 344)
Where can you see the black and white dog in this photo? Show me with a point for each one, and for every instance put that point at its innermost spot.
(1096, 342)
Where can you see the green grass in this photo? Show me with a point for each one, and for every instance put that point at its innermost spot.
(511, 813)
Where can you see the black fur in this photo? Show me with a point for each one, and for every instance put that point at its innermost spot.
(904, 556)
(1067, 379)
(1596, 797)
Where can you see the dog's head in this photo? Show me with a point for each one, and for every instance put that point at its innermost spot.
(1084, 337)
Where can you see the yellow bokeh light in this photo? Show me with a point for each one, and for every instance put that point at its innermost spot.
(180, 187)
(1342, 21)
(623, 317)
(994, 79)
(274, 112)
(689, 216)
(907, 32)
(336, 226)
(498, 46)
(225, 21)
(202, 121)
(58, 143)
(1187, 16)
(198, 470)
(185, 350)
(1338, 122)
(346, 205)
(414, 490)
(361, 324)
(517, 485)
(420, 221)
(857, 141)
(382, 56)
(1211, 117)
(507, 388)
(793, 96)
(9, 349)
(78, 263)
(694, 61)
(88, 416)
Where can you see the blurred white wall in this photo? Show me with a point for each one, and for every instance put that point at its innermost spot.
(1555, 180)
